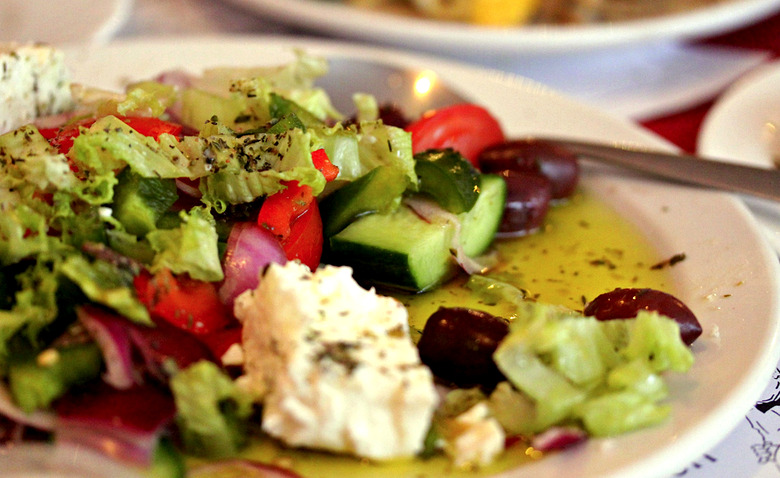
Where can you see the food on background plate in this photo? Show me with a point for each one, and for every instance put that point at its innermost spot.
(34, 83)
(204, 257)
(518, 12)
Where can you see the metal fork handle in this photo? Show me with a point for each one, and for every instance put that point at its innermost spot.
(738, 178)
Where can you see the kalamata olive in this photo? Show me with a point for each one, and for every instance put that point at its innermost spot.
(389, 113)
(528, 197)
(392, 115)
(458, 344)
(626, 303)
(556, 163)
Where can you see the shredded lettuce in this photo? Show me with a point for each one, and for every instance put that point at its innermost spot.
(110, 144)
(107, 284)
(211, 410)
(191, 248)
(603, 374)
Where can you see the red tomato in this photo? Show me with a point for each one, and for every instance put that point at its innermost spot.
(189, 304)
(153, 127)
(321, 161)
(281, 209)
(305, 240)
(466, 128)
(62, 138)
(294, 217)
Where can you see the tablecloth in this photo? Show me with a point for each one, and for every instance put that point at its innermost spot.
(682, 128)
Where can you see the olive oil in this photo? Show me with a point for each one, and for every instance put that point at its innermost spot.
(584, 249)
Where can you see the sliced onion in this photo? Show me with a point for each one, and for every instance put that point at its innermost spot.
(188, 187)
(433, 213)
(30, 460)
(111, 334)
(558, 438)
(250, 248)
(123, 424)
(38, 419)
(179, 79)
(164, 344)
(244, 468)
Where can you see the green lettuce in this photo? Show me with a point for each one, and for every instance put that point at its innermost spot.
(605, 375)
(107, 284)
(191, 248)
(211, 410)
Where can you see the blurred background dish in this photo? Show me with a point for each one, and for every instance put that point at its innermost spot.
(743, 126)
(636, 69)
(62, 21)
(341, 19)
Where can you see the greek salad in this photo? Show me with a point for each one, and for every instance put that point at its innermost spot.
(202, 262)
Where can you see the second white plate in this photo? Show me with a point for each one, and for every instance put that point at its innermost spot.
(341, 20)
(744, 127)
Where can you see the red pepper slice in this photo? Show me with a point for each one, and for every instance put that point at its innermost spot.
(62, 138)
(321, 161)
(306, 240)
(281, 209)
(187, 303)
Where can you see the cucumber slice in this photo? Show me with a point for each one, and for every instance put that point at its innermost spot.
(198, 107)
(480, 224)
(398, 250)
(139, 202)
(379, 190)
(449, 178)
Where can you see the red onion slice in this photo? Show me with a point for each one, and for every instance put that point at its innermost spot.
(123, 424)
(433, 213)
(245, 468)
(558, 438)
(111, 334)
(166, 343)
(39, 419)
(250, 248)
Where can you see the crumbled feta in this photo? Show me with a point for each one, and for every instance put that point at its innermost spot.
(474, 438)
(34, 82)
(333, 364)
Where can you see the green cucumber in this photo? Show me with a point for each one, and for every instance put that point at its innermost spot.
(198, 107)
(37, 380)
(480, 224)
(399, 251)
(379, 190)
(139, 202)
(448, 178)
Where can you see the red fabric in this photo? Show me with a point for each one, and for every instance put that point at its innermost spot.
(682, 128)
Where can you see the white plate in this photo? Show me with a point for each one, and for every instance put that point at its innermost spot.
(335, 18)
(744, 126)
(730, 280)
(61, 21)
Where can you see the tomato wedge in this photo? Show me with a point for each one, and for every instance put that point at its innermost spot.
(62, 138)
(186, 303)
(466, 128)
(294, 216)
(306, 240)
(281, 209)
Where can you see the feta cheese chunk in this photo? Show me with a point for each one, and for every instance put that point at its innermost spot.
(474, 438)
(34, 82)
(333, 364)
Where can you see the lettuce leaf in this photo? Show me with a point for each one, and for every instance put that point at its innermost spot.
(212, 410)
(191, 248)
(107, 284)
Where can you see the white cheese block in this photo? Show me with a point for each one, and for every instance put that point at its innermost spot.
(474, 438)
(333, 364)
(34, 82)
